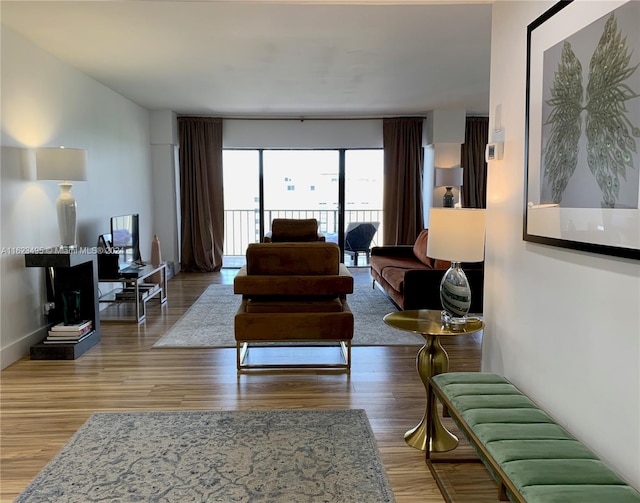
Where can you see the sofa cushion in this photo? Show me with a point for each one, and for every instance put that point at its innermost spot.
(383, 262)
(420, 248)
(441, 264)
(394, 276)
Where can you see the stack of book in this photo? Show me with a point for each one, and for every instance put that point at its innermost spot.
(69, 334)
(144, 290)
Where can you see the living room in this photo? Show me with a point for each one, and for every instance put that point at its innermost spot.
(562, 324)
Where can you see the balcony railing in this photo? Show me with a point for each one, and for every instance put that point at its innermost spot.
(242, 227)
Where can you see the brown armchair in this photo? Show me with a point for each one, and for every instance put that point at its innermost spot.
(292, 230)
(293, 292)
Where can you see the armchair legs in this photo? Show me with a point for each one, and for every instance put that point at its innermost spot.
(242, 348)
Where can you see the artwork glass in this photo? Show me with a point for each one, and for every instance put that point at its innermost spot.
(583, 128)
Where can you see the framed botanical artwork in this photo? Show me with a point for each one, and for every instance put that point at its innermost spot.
(582, 133)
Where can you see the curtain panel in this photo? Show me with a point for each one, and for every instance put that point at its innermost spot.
(474, 189)
(403, 167)
(201, 193)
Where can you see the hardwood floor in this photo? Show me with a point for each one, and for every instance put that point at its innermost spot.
(45, 402)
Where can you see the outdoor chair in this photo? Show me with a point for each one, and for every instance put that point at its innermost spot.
(357, 239)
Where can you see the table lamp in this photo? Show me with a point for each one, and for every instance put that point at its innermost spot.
(65, 164)
(456, 235)
(449, 178)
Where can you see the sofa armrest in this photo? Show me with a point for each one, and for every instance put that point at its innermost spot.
(405, 251)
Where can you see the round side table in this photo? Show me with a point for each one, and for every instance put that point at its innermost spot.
(432, 359)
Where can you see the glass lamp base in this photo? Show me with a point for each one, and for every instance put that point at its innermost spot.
(448, 198)
(455, 292)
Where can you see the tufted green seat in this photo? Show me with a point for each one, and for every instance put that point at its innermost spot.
(533, 458)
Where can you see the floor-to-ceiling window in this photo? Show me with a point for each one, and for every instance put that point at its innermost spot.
(260, 185)
(241, 175)
(301, 184)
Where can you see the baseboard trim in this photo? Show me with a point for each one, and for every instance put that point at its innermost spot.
(20, 348)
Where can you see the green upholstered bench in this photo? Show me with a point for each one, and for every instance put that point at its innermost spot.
(532, 458)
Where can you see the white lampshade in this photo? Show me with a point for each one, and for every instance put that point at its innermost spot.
(449, 177)
(64, 164)
(456, 234)
(60, 163)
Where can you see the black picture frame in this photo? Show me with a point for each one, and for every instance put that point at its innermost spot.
(574, 153)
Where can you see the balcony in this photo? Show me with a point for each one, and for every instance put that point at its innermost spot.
(242, 227)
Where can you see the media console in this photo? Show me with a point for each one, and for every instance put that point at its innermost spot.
(128, 301)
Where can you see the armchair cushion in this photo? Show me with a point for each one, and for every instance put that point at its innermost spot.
(293, 269)
(293, 292)
(279, 304)
(287, 259)
(286, 230)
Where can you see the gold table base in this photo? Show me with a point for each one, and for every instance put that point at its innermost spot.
(432, 359)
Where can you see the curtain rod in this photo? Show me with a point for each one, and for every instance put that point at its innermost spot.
(302, 119)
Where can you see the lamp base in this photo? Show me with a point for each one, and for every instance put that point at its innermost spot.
(448, 198)
(455, 292)
(66, 209)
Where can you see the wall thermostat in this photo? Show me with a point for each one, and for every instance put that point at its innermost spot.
(494, 151)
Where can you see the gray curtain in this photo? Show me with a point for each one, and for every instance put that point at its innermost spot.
(474, 189)
(403, 167)
(201, 193)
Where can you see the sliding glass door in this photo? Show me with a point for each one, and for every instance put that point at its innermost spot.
(302, 184)
(339, 188)
(241, 178)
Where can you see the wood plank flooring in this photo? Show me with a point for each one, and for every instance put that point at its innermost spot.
(45, 402)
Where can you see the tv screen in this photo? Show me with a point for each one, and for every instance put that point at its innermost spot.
(125, 238)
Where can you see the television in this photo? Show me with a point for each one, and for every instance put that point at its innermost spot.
(125, 238)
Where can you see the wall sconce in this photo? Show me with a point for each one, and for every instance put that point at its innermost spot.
(65, 164)
(449, 178)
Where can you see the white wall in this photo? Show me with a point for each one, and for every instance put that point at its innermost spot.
(47, 103)
(564, 326)
(166, 184)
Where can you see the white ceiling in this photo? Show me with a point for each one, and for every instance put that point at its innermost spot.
(272, 59)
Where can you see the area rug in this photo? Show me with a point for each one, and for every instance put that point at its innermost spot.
(216, 456)
(209, 322)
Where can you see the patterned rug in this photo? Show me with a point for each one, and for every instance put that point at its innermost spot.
(209, 322)
(215, 456)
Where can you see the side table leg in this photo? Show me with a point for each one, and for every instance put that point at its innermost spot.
(432, 359)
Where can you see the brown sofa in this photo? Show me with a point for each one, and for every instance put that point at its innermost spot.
(293, 292)
(412, 280)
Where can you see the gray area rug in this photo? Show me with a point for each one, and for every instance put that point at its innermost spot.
(287, 456)
(209, 322)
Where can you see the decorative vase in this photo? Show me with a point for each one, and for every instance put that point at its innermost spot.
(71, 307)
(455, 292)
(156, 259)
